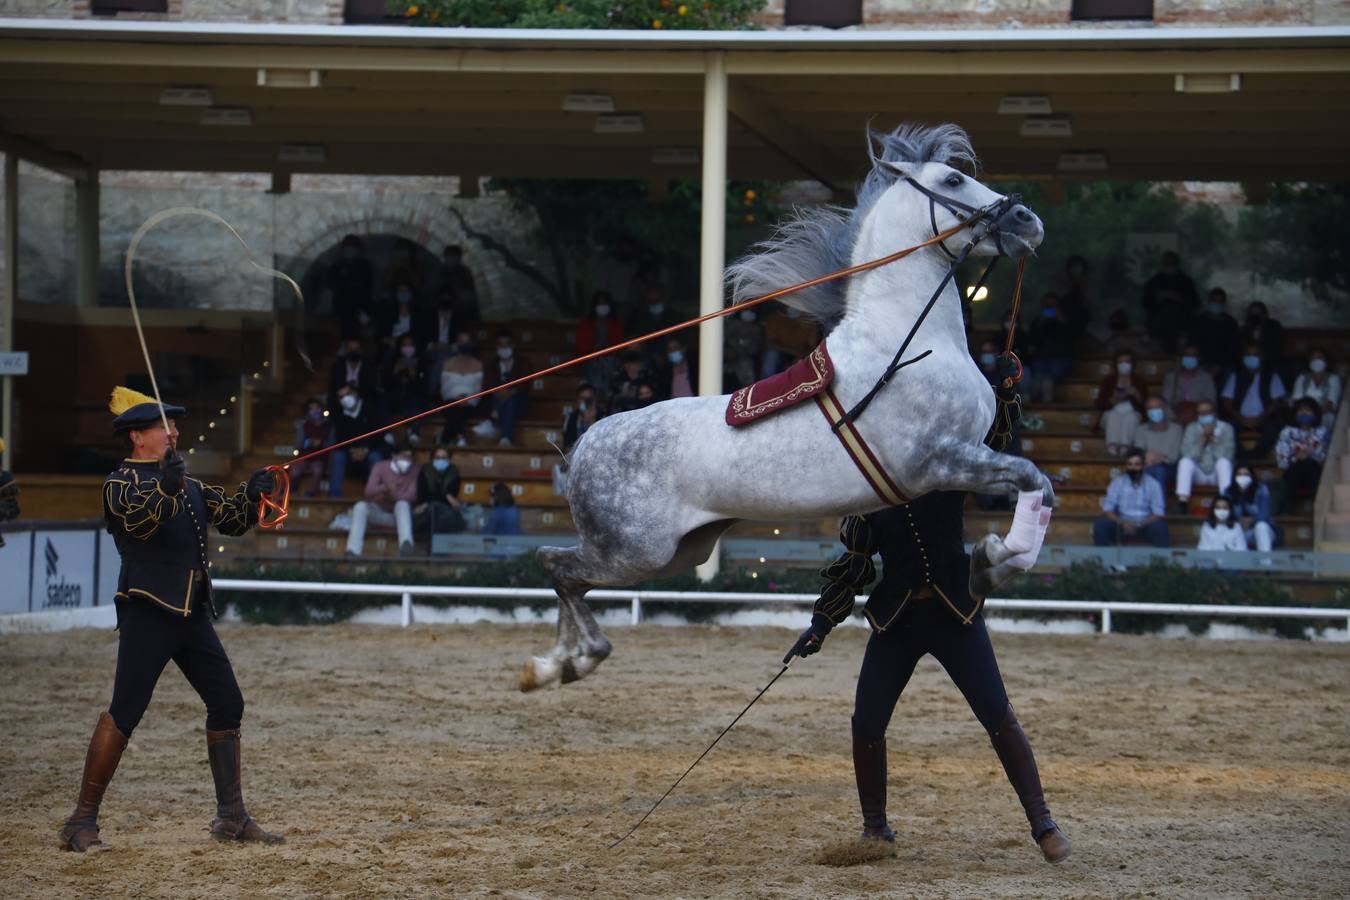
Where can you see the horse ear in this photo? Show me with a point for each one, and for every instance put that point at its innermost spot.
(896, 167)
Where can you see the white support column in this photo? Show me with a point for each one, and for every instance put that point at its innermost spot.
(8, 296)
(712, 257)
(635, 617)
(1106, 621)
(86, 230)
(407, 616)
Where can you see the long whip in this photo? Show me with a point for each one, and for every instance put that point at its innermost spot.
(703, 754)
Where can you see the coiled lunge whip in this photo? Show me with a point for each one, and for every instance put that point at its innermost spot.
(272, 510)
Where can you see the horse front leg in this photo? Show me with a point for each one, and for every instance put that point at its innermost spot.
(979, 470)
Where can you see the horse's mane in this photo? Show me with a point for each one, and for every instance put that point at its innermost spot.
(814, 241)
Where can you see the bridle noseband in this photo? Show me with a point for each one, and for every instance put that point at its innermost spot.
(989, 216)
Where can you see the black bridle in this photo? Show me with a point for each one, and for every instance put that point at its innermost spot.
(985, 221)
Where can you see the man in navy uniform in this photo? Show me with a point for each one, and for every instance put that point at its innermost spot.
(158, 516)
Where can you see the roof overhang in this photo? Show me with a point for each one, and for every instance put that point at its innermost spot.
(397, 100)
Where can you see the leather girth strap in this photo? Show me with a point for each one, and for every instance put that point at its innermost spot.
(871, 468)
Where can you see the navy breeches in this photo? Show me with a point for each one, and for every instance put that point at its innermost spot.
(148, 637)
(926, 627)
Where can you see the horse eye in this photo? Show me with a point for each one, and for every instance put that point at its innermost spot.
(954, 180)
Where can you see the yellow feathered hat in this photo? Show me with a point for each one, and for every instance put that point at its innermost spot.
(135, 410)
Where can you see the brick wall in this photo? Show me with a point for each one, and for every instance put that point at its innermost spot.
(925, 14)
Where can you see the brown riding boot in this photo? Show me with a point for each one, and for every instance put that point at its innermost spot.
(1014, 751)
(869, 768)
(80, 833)
(232, 821)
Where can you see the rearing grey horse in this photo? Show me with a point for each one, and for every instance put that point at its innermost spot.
(652, 490)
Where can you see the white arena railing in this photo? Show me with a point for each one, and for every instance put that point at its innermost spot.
(637, 599)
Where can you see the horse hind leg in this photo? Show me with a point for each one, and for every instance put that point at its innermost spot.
(581, 646)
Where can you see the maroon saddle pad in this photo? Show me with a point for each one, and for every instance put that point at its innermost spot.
(802, 380)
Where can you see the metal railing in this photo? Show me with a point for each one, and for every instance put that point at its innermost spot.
(638, 599)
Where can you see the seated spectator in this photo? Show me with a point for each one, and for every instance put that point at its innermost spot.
(403, 385)
(676, 375)
(456, 282)
(510, 404)
(1121, 397)
(436, 337)
(582, 416)
(653, 315)
(1170, 302)
(1217, 335)
(391, 491)
(1250, 500)
(461, 376)
(1133, 508)
(744, 346)
(400, 322)
(315, 433)
(1221, 531)
(1300, 452)
(1253, 397)
(597, 331)
(1052, 347)
(1188, 384)
(351, 279)
(1160, 439)
(438, 506)
(633, 375)
(1076, 297)
(1207, 447)
(1316, 383)
(351, 420)
(351, 368)
(504, 517)
(1266, 333)
(1119, 338)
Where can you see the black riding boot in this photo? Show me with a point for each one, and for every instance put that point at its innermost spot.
(869, 768)
(1014, 751)
(232, 821)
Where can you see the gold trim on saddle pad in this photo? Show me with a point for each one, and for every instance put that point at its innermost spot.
(861, 454)
(805, 378)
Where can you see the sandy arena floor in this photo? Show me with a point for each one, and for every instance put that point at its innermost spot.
(405, 764)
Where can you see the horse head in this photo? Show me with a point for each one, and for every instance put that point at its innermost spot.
(1000, 224)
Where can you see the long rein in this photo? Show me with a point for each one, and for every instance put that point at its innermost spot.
(275, 504)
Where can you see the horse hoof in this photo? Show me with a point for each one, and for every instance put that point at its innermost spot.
(528, 682)
(537, 672)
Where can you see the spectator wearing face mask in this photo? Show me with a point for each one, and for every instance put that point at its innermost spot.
(1266, 333)
(677, 377)
(391, 491)
(351, 369)
(1300, 452)
(1316, 383)
(351, 280)
(1170, 302)
(350, 420)
(1052, 344)
(1207, 447)
(1216, 335)
(438, 506)
(1253, 397)
(597, 331)
(403, 384)
(1120, 398)
(1133, 508)
(1221, 531)
(1160, 439)
(744, 343)
(504, 516)
(634, 373)
(315, 433)
(653, 314)
(582, 416)
(508, 405)
(1188, 385)
(461, 376)
(456, 282)
(1250, 500)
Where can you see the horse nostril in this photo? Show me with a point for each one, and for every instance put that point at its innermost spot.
(1024, 215)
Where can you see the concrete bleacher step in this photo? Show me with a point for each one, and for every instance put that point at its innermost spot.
(1095, 368)
(1063, 418)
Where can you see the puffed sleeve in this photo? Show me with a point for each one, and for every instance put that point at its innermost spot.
(231, 514)
(136, 504)
(851, 572)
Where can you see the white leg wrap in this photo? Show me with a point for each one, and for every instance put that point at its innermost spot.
(1022, 535)
(1027, 559)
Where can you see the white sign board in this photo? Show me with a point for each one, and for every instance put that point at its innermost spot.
(63, 573)
(15, 557)
(14, 363)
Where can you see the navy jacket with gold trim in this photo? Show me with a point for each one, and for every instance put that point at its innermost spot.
(163, 539)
